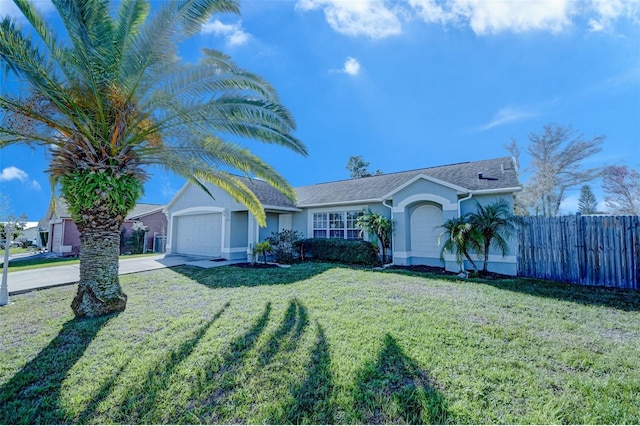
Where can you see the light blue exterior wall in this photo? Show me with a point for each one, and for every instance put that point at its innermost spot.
(272, 226)
(239, 230)
(420, 195)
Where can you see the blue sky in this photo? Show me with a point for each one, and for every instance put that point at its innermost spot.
(414, 84)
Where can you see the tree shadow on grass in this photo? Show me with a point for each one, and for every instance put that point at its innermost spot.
(626, 300)
(311, 402)
(144, 396)
(232, 276)
(288, 335)
(224, 378)
(395, 390)
(33, 394)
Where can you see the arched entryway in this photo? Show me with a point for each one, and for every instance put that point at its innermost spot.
(425, 223)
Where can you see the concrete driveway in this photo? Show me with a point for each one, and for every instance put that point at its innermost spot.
(24, 281)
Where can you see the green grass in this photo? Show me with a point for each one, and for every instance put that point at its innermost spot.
(321, 344)
(14, 250)
(23, 264)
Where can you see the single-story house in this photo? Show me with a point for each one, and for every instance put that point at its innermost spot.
(63, 236)
(417, 201)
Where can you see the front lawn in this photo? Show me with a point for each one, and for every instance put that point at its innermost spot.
(318, 343)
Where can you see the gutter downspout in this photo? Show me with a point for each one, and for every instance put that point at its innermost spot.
(384, 203)
(468, 197)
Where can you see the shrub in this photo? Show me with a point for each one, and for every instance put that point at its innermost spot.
(356, 252)
(285, 249)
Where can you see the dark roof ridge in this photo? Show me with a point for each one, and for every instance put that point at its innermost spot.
(408, 171)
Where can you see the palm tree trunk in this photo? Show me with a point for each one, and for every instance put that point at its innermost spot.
(487, 244)
(99, 291)
(468, 256)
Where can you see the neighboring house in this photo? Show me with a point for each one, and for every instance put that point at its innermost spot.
(30, 233)
(63, 236)
(418, 202)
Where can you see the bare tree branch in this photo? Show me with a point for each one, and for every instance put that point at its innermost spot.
(622, 188)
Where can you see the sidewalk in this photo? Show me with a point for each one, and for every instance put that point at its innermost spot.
(24, 281)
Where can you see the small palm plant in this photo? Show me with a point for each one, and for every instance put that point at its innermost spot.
(263, 248)
(496, 225)
(378, 225)
(460, 237)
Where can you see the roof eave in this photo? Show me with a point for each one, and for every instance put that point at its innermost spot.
(341, 203)
(175, 198)
(156, 210)
(496, 190)
(281, 208)
(421, 176)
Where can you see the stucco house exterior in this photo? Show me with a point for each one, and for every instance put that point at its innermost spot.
(64, 238)
(417, 201)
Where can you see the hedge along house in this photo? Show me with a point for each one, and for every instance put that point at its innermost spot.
(417, 201)
(63, 236)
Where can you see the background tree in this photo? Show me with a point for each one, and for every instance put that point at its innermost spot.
(378, 225)
(18, 224)
(587, 203)
(495, 225)
(460, 237)
(109, 97)
(622, 188)
(557, 156)
(359, 168)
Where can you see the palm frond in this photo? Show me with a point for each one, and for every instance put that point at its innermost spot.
(19, 55)
(156, 43)
(131, 14)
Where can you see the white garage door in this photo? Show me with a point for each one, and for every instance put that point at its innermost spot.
(199, 234)
(425, 222)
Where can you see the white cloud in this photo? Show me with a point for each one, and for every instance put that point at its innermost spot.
(430, 11)
(492, 17)
(608, 11)
(509, 114)
(383, 18)
(369, 18)
(351, 66)
(13, 173)
(233, 33)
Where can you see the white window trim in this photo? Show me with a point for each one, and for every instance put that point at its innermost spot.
(348, 208)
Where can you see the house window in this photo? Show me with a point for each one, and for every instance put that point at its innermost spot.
(336, 225)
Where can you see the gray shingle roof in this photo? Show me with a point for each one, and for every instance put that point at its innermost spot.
(142, 209)
(139, 210)
(267, 194)
(501, 172)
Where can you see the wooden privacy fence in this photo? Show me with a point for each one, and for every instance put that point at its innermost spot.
(590, 250)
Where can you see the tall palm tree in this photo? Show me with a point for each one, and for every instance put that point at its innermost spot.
(111, 97)
(459, 238)
(496, 225)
